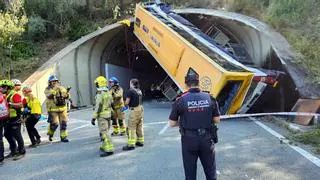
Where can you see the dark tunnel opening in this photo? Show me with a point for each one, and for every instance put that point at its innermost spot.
(125, 57)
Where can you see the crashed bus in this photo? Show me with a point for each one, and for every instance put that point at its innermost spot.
(179, 47)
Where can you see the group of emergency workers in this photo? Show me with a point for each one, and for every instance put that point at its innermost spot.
(27, 111)
(197, 121)
(109, 109)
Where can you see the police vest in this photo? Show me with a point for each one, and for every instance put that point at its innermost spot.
(197, 110)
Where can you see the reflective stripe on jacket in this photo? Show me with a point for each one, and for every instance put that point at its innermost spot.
(103, 105)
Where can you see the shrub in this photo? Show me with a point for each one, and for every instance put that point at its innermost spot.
(36, 28)
(23, 49)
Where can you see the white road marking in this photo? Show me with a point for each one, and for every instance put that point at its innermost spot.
(74, 129)
(164, 129)
(218, 172)
(301, 151)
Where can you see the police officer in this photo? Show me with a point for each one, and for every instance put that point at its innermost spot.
(196, 113)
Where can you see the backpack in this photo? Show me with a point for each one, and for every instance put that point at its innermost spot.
(59, 99)
(4, 107)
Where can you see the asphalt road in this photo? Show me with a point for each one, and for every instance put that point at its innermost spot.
(245, 151)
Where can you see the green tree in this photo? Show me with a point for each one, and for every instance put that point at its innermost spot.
(12, 25)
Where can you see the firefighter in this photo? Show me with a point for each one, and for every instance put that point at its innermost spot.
(196, 113)
(32, 113)
(102, 113)
(135, 122)
(57, 97)
(118, 122)
(12, 130)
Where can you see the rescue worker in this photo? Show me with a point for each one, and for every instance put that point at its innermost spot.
(119, 117)
(197, 114)
(17, 85)
(135, 122)
(102, 113)
(57, 97)
(3, 121)
(12, 129)
(32, 111)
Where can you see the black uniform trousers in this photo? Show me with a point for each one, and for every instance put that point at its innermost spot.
(2, 123)
(31, 121)
(194, 147)
(12, 132)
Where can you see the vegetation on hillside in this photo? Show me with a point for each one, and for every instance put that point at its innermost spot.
(34, 23)
(26, 27)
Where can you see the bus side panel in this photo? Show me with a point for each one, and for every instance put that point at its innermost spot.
(165, 46)
(211, 78)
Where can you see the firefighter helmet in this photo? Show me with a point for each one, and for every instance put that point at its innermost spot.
(100, 81)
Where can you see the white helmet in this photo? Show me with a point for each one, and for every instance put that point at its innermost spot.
(16, 81)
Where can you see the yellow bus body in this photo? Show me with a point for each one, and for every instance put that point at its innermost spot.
(176, 55)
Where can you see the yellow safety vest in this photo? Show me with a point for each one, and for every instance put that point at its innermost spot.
(35, 105)
(13, 111)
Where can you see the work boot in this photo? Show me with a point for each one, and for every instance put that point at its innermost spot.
(139, 144)
(104, 154)
(32, 146)
(50, 137)
(10, 155)
(127, 148)
(19, 155)
(114, 134)
(64, 140)
(38, 140)
(123, 134)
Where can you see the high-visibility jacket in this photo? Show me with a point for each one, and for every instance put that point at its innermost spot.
(117, 95)
(103, 104)
(50, 101)
(34, 105)
(13, 112)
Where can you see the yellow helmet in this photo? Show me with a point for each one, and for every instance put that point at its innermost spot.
(6, 82)
(101, 81)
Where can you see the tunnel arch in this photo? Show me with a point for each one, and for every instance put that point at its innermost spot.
(80, 62)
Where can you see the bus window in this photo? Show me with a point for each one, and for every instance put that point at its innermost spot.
(227, 94)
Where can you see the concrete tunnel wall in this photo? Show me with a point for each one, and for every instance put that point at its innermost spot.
(76, 65)
(81, 62)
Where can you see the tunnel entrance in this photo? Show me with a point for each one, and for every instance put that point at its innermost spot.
(125, 58)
